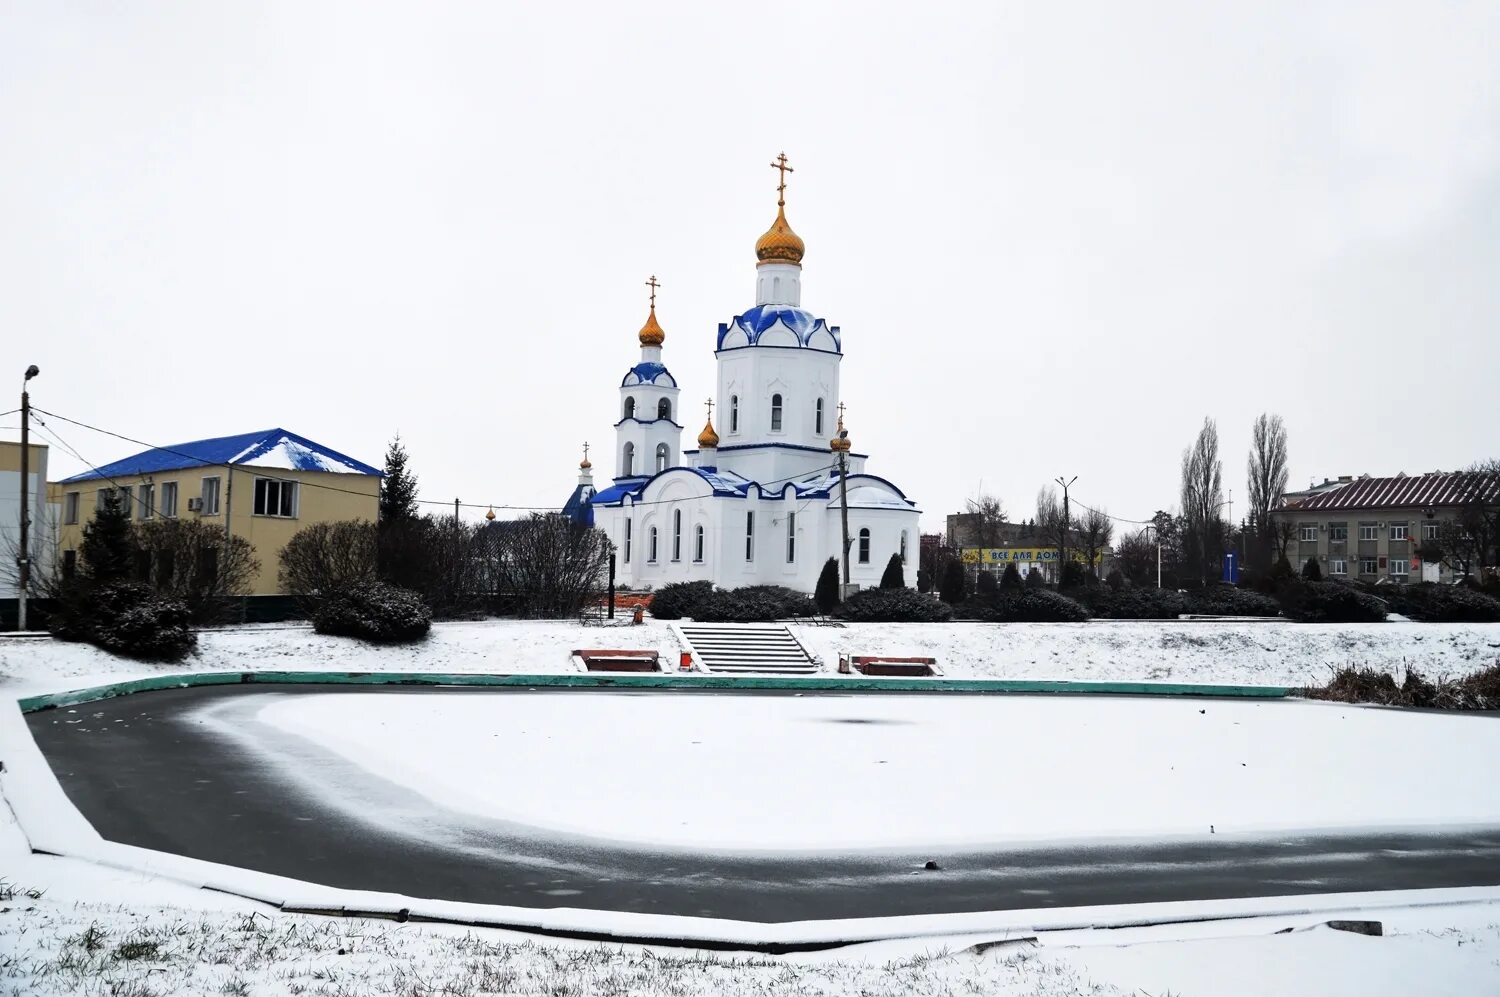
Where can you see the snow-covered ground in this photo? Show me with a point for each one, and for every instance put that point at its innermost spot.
(1273, 653)
(911, 770)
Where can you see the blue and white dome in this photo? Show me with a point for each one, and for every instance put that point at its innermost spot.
(779, 325)
(649, 372)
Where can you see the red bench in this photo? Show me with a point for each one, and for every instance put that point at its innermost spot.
(603, 659)
(876, 665)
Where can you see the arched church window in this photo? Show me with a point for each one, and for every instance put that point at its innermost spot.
(903, 547)
(818, 431)
(734, 413)
(662, 456)
(630, 407)
(627, 541)
(864, 546)
(664, 409)
(651, 546)
(676, 534)
(698, 544)
(627, 460)
(775, 413)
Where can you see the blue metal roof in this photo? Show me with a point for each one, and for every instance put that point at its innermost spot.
(647, 372)
(756, 321)
(580, 506)
(270, 448)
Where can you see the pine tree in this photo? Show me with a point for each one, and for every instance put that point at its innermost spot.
(1035, 580)
(826, 595)
(1311, 572)
(894, 576)
(954, 588)
(398, 490)
(924, 580)
(987, 585)
(107, 552)
(1010, 581)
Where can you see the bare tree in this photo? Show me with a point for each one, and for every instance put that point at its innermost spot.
(1095, 530)
(552, 565)
(323, 558)
(1053, 523)
(190, 560)
(1470, 539)
(1202, 497)
(46, 579)
(1267, 471)
(987, 520)
(1136, 557)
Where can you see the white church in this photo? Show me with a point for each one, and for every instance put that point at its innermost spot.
(758, 503)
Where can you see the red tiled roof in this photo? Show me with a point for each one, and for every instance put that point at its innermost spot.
(1407, 491)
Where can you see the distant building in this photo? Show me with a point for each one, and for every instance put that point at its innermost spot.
(1375, 529)
(262, 486)
(991, 547)
(10, 513)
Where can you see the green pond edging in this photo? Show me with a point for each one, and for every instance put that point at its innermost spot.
(594, 680)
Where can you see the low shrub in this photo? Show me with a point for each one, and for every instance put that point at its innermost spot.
(1034, 606)
(1226, 600)
(747, 605)
(793, 603)
(893, 606)
(376, 612)
(131, 620)
(1137, 604)
(1330, 602)
(679, 599)
(1433, 603)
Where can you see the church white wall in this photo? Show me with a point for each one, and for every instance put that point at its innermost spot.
(749, 379)
(778, 284)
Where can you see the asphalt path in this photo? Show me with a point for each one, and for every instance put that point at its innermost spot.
(144, 773)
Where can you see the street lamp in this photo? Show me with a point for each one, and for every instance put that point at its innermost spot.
(23, 557)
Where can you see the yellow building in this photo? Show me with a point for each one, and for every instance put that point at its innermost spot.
(261, 486)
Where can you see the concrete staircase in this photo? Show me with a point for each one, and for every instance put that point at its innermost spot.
(739, 648)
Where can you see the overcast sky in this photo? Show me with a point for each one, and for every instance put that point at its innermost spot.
(1056, 236)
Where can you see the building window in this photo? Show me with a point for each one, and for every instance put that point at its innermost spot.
(1338, 532)
(1338, 566)
(676, 534)
(818, 418)
(210, 496)
(750, 536)
(775, 413)
(70, 563)
(629, 407)
(734, 413)
(146, 495)
(70, 509)
(662, 456)
(169, 500)
(664, 409)
(627, 541)
(1368, 566)
(1431, 530)
(864, 546)
(124, 498)
(1400, 569)
(627, 461)
(791, 537)
(698, 544)
(274, 497)
(1400, 531)
(651, 546)
(1309, 532)
(1369, 531)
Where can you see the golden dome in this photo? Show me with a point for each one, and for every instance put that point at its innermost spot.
(490, 515)
(708, 438)
(585, 464)
(840, 443)
(651, 332)
(780, 244)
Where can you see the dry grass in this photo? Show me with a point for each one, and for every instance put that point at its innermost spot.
(1479, 690)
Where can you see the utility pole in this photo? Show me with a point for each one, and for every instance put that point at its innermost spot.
(1062, 552)
(841, 445)
(23, 559)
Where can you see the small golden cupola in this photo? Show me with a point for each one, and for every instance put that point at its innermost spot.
(651, 332)
(708, 438)
(490, 515)
(840, 443)
(780, 244)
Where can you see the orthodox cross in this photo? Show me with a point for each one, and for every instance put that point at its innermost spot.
(585, 450)
(710, 403)
(653, 285)
(841, 414)
(781, 165)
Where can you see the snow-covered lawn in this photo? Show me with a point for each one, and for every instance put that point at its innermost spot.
(910, 770)
(1273, 653)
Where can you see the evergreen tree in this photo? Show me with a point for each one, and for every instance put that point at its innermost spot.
(1072, 576)
(1282, 570)
(826, 595)
(107, 551)
(1035, 580)
(987, 586)
(924, 580)
(1010, 581)
(954, 588)
(895, 574)
(1311, 572)
(398, 489)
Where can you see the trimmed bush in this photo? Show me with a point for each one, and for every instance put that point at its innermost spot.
(954, 587)
(826, 595)
(1115, 580)
(673, 602)
(1330, 602)
(1072, 576)
(1312, 571)
(792, 603)
(1034, 606)
(894, 576)
(893, 606)
(1010, 579)
(1139, 604)
(129, 619)
(746, 605)
(1035, 581)
(1226, 600)
(924, 580)
(1433, 603)
(987, 586)
(376, 612)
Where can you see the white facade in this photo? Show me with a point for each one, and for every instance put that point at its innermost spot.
(759, 502)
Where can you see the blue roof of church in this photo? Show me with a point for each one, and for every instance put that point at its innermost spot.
(271, 448)
(757, 320)
(646, 372)
(579, 507)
